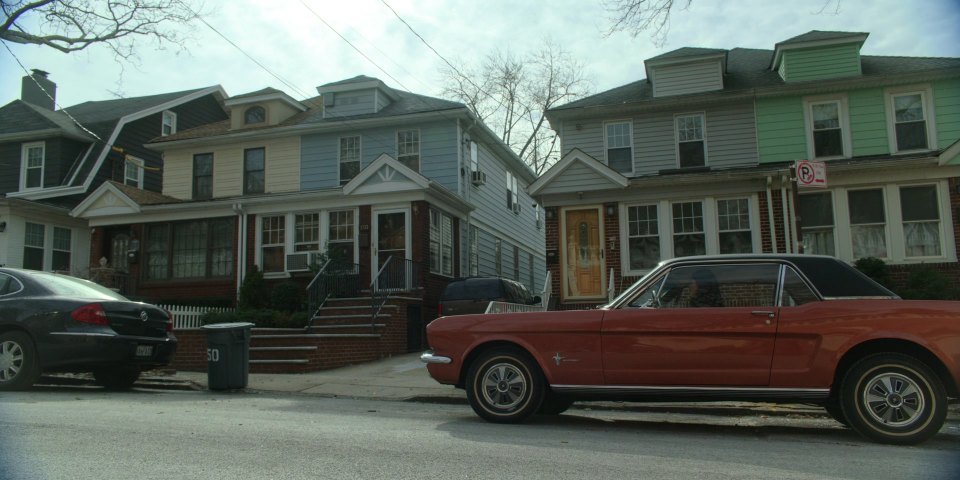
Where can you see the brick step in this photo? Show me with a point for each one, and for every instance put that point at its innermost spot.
(366, 315)
(351, 307)
(338, 327)
(282, 368)
(280, 362)
(318, 339)
(364, 320)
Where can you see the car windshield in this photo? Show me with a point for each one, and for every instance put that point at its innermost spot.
(75, 287)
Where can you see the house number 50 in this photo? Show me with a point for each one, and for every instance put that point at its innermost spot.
(213, 355)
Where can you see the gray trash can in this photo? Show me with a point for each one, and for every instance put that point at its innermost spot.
(228, 355)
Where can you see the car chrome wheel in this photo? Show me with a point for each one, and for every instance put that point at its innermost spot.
(11, 360)
(893, 399)
(504, 386)
(19, 364)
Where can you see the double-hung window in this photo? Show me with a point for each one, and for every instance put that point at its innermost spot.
(643, 236)
(408, 148)
(513, 193)
(168, 123)
(32, 165)
(910, 120)
(691, 143)
(688, 234)
(868, 229)
(816, 216)
(340, 236)
(254, 170)
(498, 255)
(619, 146)
(33, 244)
(825, 128)
(349, 158)
(132, 174)
(203, 176)
(441, 243)
(474, 251)
(61, 248)
(921, 221)
(272, 243)
(306, 237)
(733, 226)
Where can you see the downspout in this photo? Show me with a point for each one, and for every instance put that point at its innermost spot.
(792, 211)
(787, 231)
(241, 245)
(773, 227)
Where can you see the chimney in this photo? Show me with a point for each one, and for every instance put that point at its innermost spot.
(33, 87)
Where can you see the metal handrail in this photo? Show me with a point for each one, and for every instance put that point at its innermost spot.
(314, 294)
(377, 294)
(611, 287)
(545, 294)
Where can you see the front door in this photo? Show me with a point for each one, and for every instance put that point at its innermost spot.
(390, 239)
(583, 254)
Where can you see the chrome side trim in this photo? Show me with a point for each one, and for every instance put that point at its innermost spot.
(429, 357)
(110, 335)
(766, 392)
(82, 334)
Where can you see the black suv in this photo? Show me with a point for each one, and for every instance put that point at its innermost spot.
(472, 295)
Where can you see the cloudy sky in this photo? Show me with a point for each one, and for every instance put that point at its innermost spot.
(294, 43)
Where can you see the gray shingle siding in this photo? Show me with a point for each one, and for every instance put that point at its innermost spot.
(687, 78)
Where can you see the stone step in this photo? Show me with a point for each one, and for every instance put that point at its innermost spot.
(280, 362)
(344, 326)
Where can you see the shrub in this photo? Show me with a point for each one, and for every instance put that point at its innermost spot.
(253, 291)
(875, 269)
(287, 296)
(261, 318)
(925, 283)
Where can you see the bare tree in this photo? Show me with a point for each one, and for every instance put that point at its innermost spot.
(511, 94)
(72, 25)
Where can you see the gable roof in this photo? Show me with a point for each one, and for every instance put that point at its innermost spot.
(19, 119)
(590, 167)
(748, 72)
(820, 35)
(357, 79)
(115, 198)
(106, 119)
(686, 52)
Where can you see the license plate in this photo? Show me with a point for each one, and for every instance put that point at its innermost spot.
(144, 350)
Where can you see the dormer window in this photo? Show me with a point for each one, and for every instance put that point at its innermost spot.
(32, 162)
(255, 114)
(691, 146)
(168, 124)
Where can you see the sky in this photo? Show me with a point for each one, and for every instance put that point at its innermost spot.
(295, 43)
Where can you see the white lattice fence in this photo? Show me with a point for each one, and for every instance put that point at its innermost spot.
(189, 317)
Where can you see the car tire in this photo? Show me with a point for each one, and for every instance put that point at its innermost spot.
(505, 385)
(116, 379)
(835, 411)
(893, 398)
(19, 362)
(554, 404)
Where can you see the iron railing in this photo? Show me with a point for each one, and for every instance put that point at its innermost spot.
(335, 279)
(395, 275)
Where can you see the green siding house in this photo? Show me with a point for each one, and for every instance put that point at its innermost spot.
(699, 158)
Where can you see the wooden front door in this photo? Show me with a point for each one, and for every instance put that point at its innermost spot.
(390, 229)
(583, 262)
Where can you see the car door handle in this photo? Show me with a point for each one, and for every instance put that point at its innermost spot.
(765, 313)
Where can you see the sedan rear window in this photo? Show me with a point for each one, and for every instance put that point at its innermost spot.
(75, 287)
(473, 289)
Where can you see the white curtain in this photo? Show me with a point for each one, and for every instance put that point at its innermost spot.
(869, 241)
(923, 239)
(818, 242)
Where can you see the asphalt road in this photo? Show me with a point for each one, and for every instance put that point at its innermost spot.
(81, 433)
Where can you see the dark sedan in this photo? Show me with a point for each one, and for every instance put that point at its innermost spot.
(58, 323)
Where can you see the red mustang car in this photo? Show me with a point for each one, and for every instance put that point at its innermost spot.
(771, 328)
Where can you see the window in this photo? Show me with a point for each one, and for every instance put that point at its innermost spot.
(909, 119)
(194, 249)
(643, 237)
(921, 221)
(714, 286)
(867, 223)
(691, 147)
(474, 157)
(168, 124)
(203, 176)
(733, 226)
(513, 195)
(688, 234)
(816, 218)
(619, 147)
(516, 263)
(132, 174)
(32, 162)
(272, 244)
(341, 234)
(498, 255)
(349, 158)
(795, 290)
(33, 246)
(254, 170)
(306, 232)
(441, 243)
(530, 271)
(62, 239)
(408, 148)
(474, 251)
(256, 114)
(826, 125)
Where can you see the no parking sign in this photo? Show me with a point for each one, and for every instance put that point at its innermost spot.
(811, 174)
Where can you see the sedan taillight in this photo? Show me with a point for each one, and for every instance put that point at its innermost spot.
(91, 313)
(169, 327)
